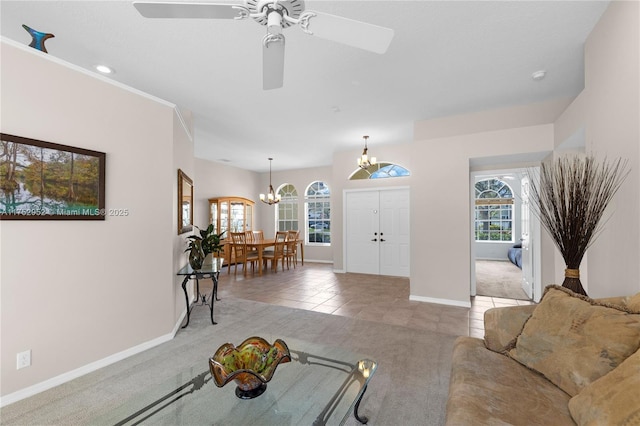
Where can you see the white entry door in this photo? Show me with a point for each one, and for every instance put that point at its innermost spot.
(527, 249)
(377, 232)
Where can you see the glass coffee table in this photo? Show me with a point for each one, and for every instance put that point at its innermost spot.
(322, 385)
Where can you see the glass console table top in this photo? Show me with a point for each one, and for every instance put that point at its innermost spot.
(321, 385)
(208, 267)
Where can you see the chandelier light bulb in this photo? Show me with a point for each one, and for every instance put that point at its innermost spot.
(364, 161)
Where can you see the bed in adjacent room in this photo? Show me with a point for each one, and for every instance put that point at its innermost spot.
(515, 255)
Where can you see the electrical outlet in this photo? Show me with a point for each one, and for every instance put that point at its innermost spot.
(24, 359)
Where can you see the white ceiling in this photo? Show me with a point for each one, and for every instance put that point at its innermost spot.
(447, 57)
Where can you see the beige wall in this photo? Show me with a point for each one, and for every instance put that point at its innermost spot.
(612, 124)
(440, 258)
(182, 159)
(81, 294)
(213, 179)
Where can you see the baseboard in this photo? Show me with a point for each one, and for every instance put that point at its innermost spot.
(89, 368)
(448, 302)
(317, 261)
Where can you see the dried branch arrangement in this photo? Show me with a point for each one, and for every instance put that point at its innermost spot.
(570, 199)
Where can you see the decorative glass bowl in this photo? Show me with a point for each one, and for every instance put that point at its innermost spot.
(251, 365)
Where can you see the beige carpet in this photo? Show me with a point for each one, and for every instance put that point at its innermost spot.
(497, 278)
(409, 388)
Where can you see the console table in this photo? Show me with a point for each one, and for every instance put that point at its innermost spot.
(208, 270)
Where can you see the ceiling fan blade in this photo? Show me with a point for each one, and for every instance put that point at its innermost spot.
(272, 61)
(150, 9)
(347, 31)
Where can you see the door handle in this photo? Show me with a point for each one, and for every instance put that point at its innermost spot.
(382, 240)
(375, 239)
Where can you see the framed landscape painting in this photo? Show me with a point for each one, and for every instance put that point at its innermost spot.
(48, 181)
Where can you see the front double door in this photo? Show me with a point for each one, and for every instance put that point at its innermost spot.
(377, 232)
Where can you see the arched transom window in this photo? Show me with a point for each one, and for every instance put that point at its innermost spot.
(380, 171)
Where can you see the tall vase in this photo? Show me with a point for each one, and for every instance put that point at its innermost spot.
(572, 281)
(196, 255)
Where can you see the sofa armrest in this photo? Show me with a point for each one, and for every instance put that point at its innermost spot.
(502, 325)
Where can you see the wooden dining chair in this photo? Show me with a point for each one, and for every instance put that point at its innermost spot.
(277, 255)
(258, 235)
(242, 254)
(291, 248)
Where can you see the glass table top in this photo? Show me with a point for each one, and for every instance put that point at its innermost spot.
(209, 266)
(321, 385)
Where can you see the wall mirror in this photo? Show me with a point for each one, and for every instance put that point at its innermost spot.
(185, 203)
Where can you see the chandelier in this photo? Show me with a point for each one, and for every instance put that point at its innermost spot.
(271, 198)
(364, 161)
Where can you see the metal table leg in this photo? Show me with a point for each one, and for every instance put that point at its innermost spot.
(186, 298)
(362, 419)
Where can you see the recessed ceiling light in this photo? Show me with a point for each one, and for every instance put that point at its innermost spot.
(105, 69)
(538, 75)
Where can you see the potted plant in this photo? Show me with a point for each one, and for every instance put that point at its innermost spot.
(208, 242)
(570, 199)
(196, 254)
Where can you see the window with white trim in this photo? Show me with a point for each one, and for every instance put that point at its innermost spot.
(287, 211)
(318, 214)
(493, 211)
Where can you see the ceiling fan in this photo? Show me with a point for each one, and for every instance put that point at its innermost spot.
(277, 15)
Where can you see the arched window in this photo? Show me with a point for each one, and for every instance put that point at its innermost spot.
(318, 209)
(380, 171)
(494, 211)
(287, 212)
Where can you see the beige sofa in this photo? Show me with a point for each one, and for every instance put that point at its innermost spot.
(568, 360)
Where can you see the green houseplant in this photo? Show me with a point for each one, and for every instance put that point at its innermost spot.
(206, 242)
(569, 199)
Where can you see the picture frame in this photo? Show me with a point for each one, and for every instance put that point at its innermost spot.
(185, 203)
(42, 180)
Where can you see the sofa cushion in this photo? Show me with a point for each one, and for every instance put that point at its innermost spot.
(502, 325)
(613, 399)
(488, 388)
(633, 302)
(574, 340)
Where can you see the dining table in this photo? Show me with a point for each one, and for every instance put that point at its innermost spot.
(259, 246)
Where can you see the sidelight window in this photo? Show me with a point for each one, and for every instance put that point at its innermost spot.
(318, 217)
(287, 212)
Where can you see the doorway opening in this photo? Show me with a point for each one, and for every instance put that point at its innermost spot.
(503, 261)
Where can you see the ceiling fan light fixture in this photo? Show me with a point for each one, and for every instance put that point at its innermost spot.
(271, 197)
(364, 161)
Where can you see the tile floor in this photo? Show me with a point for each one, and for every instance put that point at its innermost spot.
(316, 287)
